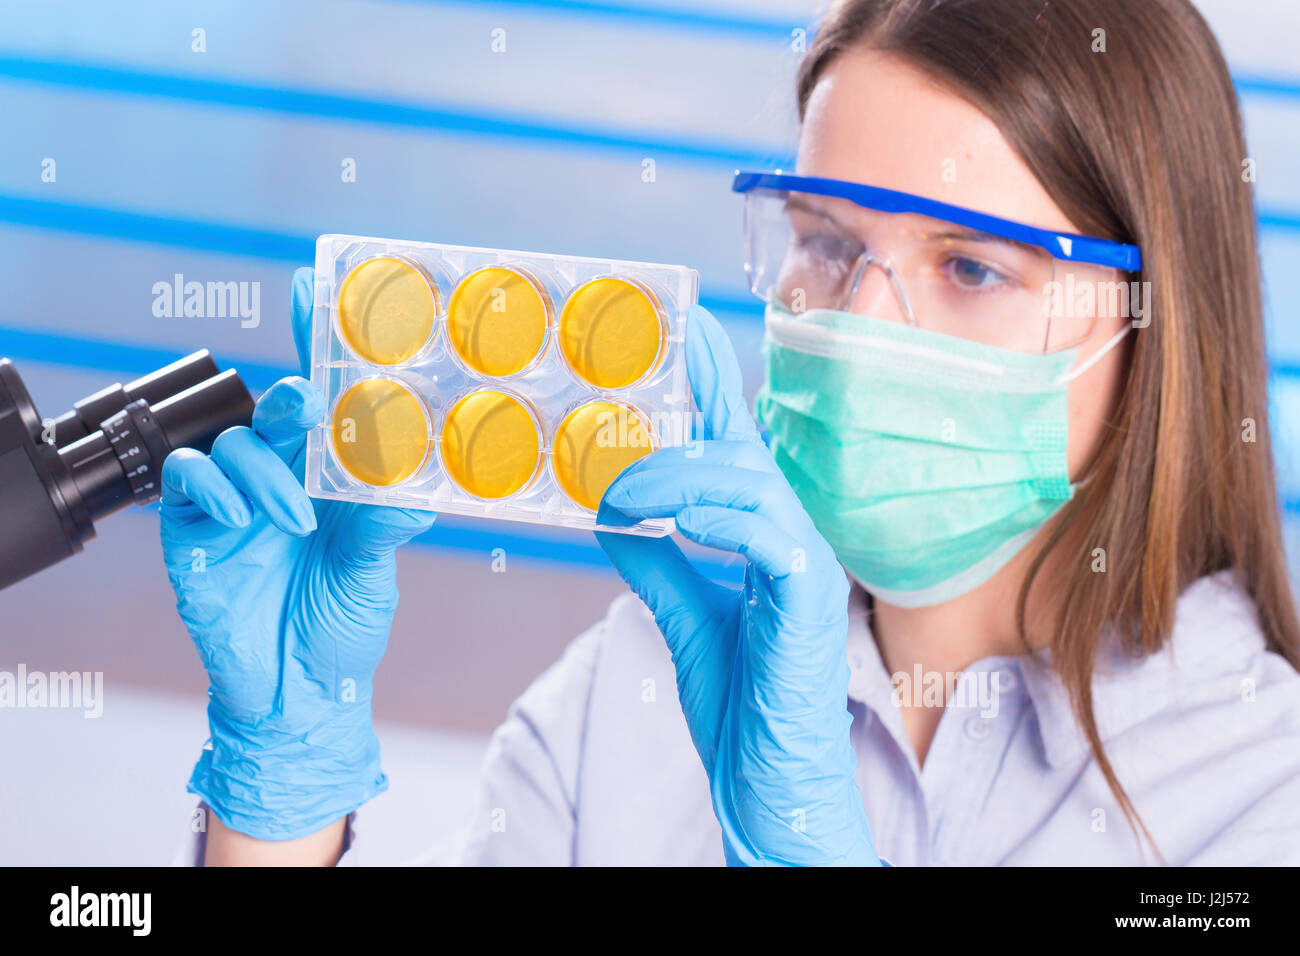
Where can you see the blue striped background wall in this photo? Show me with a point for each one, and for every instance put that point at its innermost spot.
(225, 164)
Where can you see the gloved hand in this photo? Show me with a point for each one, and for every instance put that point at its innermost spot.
(289, 602)
(762, 673)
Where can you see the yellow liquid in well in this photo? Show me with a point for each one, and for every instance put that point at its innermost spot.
(496, 321)
(611, 332)
(593, 445)
(386, 311)
(490, 444)
(381, 432)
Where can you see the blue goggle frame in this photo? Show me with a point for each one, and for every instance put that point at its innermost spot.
(1061, 245)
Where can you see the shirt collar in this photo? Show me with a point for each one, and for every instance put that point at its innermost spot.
(1214, 627)
(868, 679)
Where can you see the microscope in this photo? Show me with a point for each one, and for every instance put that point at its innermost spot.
(58, 476)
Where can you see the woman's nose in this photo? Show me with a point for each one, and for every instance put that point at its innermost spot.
(879, 294)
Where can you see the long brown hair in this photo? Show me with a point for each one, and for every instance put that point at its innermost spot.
(1141, 143)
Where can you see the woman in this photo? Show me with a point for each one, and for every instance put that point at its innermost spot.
(1018, 459)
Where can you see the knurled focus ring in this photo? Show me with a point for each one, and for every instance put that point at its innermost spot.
(141, 447)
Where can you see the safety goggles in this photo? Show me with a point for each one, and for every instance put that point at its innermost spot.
(813, 243)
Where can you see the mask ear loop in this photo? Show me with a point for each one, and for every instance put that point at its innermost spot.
(1096, 356)
(865, 261)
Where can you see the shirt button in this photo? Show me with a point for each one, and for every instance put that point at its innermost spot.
(1006, 680)
(978, 728)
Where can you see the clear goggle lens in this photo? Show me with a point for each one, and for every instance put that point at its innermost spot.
(806, 252)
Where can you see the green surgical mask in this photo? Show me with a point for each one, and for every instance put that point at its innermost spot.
(925, 460)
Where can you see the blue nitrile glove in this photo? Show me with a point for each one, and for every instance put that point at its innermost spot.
(762, 673)
(289, 602)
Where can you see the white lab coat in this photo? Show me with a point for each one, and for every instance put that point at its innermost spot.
(594, 764)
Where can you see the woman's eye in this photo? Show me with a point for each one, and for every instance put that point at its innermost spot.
(829, 247)
(972, 274)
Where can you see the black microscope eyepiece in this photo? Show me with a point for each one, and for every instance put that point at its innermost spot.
(59, 476)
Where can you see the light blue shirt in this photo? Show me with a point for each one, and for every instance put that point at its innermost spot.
(594, 764)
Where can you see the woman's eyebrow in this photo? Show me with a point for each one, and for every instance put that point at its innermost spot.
(966, 234)
(946, 231)
(971, 235)
(801, 204)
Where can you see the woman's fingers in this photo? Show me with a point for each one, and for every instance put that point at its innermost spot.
(808, 587)
(760, 540)
(726, 454)
(714, 374)
(366, 541)
(666, 581)
(285, 413)
(655, 569)
(718, 486)
(264, 479)
(243, 474)
(663, 492)
(374, 531)
(191, 477)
